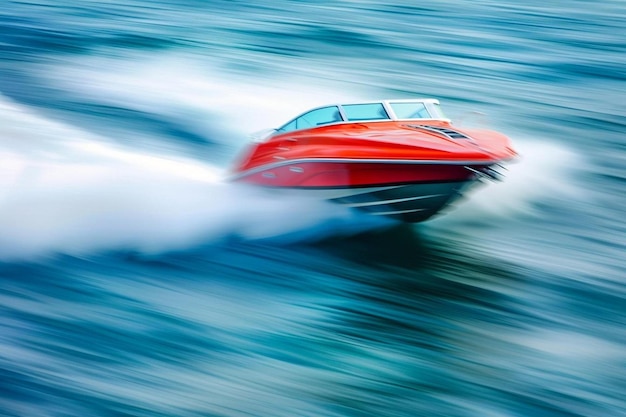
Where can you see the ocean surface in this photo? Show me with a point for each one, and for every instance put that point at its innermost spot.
(135, 281)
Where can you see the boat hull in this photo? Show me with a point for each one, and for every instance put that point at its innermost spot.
(409, 191)
(396, 158)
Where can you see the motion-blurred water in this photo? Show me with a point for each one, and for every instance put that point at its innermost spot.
(136, 282)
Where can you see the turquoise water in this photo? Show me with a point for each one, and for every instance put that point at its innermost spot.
(134, 281)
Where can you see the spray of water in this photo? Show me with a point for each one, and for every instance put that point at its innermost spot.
(65, 190)
(544, 172)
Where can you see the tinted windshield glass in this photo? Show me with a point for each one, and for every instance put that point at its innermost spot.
(373, 111)
(314, 118)
(438, 112)
(410, 110)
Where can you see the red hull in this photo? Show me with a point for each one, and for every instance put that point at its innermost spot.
(344, 174)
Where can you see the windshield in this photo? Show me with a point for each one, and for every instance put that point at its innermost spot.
(368, 111)
(410, 110)
(317, 117)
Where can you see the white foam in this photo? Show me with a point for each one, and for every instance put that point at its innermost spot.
(65, 190)
(544, 172)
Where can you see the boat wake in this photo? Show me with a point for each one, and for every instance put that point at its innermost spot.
(67, 191)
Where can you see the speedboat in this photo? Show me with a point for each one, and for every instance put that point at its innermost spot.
(398, 158)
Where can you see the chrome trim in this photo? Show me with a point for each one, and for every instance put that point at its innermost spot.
(355, 161)
(486, 173)
(386, 105)
(333, 193)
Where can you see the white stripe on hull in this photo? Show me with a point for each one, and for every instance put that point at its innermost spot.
(393, 213)
(397, 200)
(334, 193)
(409, 203)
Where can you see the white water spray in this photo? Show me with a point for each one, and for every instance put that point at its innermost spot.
(65, 190)
(542, 173)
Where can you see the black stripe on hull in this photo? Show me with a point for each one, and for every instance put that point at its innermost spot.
(408, 203)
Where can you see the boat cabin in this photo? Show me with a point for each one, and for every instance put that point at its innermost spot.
(384, 110)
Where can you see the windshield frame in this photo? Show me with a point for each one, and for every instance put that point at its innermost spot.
(431, 105)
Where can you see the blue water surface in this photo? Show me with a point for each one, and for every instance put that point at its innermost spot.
(134, 281)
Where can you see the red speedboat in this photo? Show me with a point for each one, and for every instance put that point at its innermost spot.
(397, 158)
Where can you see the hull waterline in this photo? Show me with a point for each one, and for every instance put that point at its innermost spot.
(410, 191)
